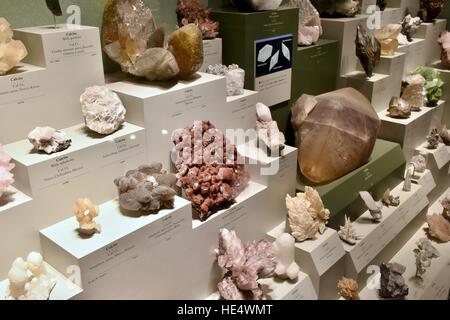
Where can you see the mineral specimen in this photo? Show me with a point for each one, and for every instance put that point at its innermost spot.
(387, 36)
(234, 75)
(381, 4)
(102, 109)
(85, 213)
(54, 7)
(444, 43)
(433, 139)
(335, 132)
(444, 134)
(392, 282)
(337, 9)
(245, 265)
(424, 253)
(284, 250)
(368, 50)
(374, 207)
(186, 45)
(348, 289)
(11, 51)
(390, 200)
(438, 228)
(6, 177)
(207, 168)
(410, 171)
(309, 26)
(399, 108)
(256, 5)
(269, 136)
(49, 140)
(29, 280)
(414, 92)
(446, 206)
(419, 162)
(434, 84)
(147, 189)
(410, 26)
(430, 9)
(193, 11)
(347, 232)
(307, 215)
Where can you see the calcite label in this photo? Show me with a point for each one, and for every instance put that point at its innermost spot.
(72, 43)
(21, 88)
(328, 253)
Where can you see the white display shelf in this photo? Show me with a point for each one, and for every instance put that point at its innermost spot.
(390, 65)
(242, 108)
(277, 289)
(212, 53)
(376, 236)
(430, 32)
(436, 281)
(64, 288)
(425, 180)
(439, 157)
(415, 54)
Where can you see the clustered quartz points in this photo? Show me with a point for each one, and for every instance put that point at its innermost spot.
(207, 168)
(234, 75)
(6, 177)
(245, 264)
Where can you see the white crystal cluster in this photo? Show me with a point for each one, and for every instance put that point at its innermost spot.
(310, 26)
(234, 75)
(347, 232)
(6, 177)
(284, 249)
(271, 138)
(49, 140)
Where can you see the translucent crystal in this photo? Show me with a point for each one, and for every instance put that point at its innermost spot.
(11, 51)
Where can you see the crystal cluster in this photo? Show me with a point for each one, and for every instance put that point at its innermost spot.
(446, 206)
(6, 177)
(245, 264)
(368, 50)
(193, 11)
(444, 43)
(348, 289)
(284, 250)
(11, 51)
(410, 26)
(444, 134)
(307, 215)
(399, 108)
(85, 213)
(269, 136)
(392, 283)
(234, 75)
(433, 139)
(389, 200)
(430, 9)
(338, 9)
(414, 92)
(102, 109)
(419, 162)
(132, 39)
(388, 38)
(438, 228)
(424, 253)
(207, 168)
(49, 140)
(309, 26)
(433, 85)
(257, 5)
(335, 132)
(375, 207)
(147, 189)
(29, 280)
(347, 232)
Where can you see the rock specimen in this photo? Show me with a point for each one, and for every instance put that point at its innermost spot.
(147, 189)
(433, 139)
(102, 109)
(389, 200)
(284, 250)
(410, 26)
(207, 168)
(433, 85)
(444, 134)
(257, 5)
(444, 43)
(49, 140)
(392, 282)
(338, 9)
(410, 172)
(375, 207)
(11, 51)
(54, 7)
(186, 45)
(234, 75)
(348, 289)
(347, 233)
(269, 136)
(381, 4)
(414, 92)
(307, 215)
(446, 206)
(368, 50)
(388, 38)
(245, 264)
(430, 9)
(309, 25)
(29, 280)
(438, 228)
(6, 177)
(85, 213)
(399, 108)
(193, 11)
(335, 132)
(419, 162)
(424, 253)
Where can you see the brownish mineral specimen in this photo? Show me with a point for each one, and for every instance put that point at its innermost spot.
(348, 289)
(207, 168)
(444, 42)
(430, 9)
(336, 133)
(368, 50)
(438, 228)
(54, 7)
(193, 11)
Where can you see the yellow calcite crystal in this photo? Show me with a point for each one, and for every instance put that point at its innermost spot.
(11, 51)
(387, 36)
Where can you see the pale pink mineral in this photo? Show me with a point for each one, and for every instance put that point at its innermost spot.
(49, 140)
(6, 177)
(444, 42)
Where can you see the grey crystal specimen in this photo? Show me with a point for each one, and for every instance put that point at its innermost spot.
(234, 75)
(419, 162)
(49, 140)
(309, 25)
(424, 253)
(410, 26)
(433, 139)
(347, 232)
(392, 283)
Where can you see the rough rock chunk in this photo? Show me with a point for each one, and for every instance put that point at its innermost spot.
(410, 26)
(444, 42)
(430, 9)
(234, 75)
(49, 140)
(392, 283)
(438, 228)
(348, 289)
(193, 11)
(368, 50)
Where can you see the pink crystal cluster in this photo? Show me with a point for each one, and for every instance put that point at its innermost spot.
(6, 177)
(245, 264)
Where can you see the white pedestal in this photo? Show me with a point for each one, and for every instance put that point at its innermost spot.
(376, 236)
(64, 289)
(439, 157)
(212, 53)
(123, 259)
(425, 180)
(242, 108)
(415, 54)
(430, 32)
